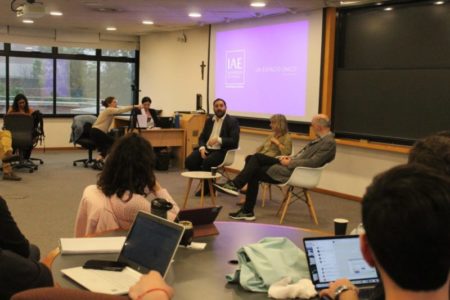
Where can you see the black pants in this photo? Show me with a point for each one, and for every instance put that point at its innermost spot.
(103, 142)
(254, 171)
(195, 162)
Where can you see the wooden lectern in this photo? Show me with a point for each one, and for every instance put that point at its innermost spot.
(193, 125)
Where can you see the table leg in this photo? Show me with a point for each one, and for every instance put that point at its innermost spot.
(202, 192)
(188, 190)
(211, 192)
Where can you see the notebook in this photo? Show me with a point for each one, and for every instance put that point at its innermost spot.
(91, 245)
(202, 218)
(150, 245)
(334, 257)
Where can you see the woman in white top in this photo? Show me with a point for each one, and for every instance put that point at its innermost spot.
(99, 131)
(122, 189)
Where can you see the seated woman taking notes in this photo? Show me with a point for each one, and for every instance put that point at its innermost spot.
(122, 189)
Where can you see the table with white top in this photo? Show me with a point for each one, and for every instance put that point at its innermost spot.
(202, 176)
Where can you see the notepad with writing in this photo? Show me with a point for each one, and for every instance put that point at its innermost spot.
(91, 245)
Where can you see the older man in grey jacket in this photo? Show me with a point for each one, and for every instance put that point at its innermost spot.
(277, 170)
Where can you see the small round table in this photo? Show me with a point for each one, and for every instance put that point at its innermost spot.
(202, 176)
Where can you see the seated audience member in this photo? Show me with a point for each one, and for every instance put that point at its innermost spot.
(264, 168)
(20, 106)
(405, 213)
(99, 131)
(122, 187)
(220, 133)
(152, 116)
(19, 260)
(433, 151)
(277, 143)
(7, 156)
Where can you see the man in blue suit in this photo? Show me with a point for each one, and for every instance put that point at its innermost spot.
(220, 133)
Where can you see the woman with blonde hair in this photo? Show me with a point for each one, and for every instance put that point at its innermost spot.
(277, 143)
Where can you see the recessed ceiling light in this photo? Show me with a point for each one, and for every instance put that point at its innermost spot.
(379, 3)
(195, 15)
(147, 22)
(56, 13)
(111, 28)
(27, 21)
(439, 2)
(388, 8)
(258, 4)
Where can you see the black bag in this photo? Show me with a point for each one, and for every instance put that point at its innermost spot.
(162, 160)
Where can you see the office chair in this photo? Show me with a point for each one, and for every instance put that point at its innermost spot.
(81, 131)
(21, 127)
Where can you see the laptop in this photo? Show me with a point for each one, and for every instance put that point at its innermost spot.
(150, 245)
(202, 219)
(166, 122)
(334, 257)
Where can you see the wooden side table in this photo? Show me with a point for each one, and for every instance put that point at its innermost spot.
(202, 176)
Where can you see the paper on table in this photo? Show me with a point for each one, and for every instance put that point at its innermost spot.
(91, 245)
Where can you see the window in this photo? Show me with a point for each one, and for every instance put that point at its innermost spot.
(116, 79)
(2, 85)
(84, 51)
(76, 86)
(118, 53)
(34, 78)
(31, 48)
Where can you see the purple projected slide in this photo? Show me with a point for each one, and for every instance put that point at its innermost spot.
(262, 70)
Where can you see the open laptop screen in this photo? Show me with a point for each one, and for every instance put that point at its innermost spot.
(331, 258)
(151, 243)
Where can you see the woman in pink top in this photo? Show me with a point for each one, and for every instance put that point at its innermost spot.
(122, 189)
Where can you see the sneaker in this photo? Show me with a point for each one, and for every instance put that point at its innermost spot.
(227, 188)
(241, 215)
(11, 176)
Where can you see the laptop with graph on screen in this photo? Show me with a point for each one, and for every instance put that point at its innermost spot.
(151, 244)
(333, 257)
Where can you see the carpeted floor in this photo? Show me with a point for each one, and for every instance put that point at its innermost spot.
(44, 203)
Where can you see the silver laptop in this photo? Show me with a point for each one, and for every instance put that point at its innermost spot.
(150, 245)
(334, 257)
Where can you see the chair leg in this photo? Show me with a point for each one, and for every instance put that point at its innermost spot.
(286, 204)
(264, 191)
(187, 192)
(310, 204)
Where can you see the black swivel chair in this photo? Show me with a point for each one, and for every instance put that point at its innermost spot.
(21, 127)
(84, 139)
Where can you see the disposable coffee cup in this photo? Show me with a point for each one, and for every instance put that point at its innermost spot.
(340, 226)
(188, 234)
(213, 171)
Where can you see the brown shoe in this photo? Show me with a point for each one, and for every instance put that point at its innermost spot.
(11, 176)
(9, 157)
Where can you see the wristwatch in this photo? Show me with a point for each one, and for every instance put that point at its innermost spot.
(339, 290)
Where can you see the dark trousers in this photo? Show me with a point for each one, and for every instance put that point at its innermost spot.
(103, 142)
(195, 162)
(254, 172)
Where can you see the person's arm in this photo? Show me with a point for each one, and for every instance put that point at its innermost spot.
(349, 291)
(161, 192)
(11, 238)
(19, 274)
(151, 287)
(231, 141)
(323, 155)
(285, 144)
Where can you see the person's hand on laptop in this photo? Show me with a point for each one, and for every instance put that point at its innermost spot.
(342, 288)
(151, 287)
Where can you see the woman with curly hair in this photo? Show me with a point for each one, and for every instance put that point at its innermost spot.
(122, 189)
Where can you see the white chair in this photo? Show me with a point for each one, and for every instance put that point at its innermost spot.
(304, 179)
(227, 161)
